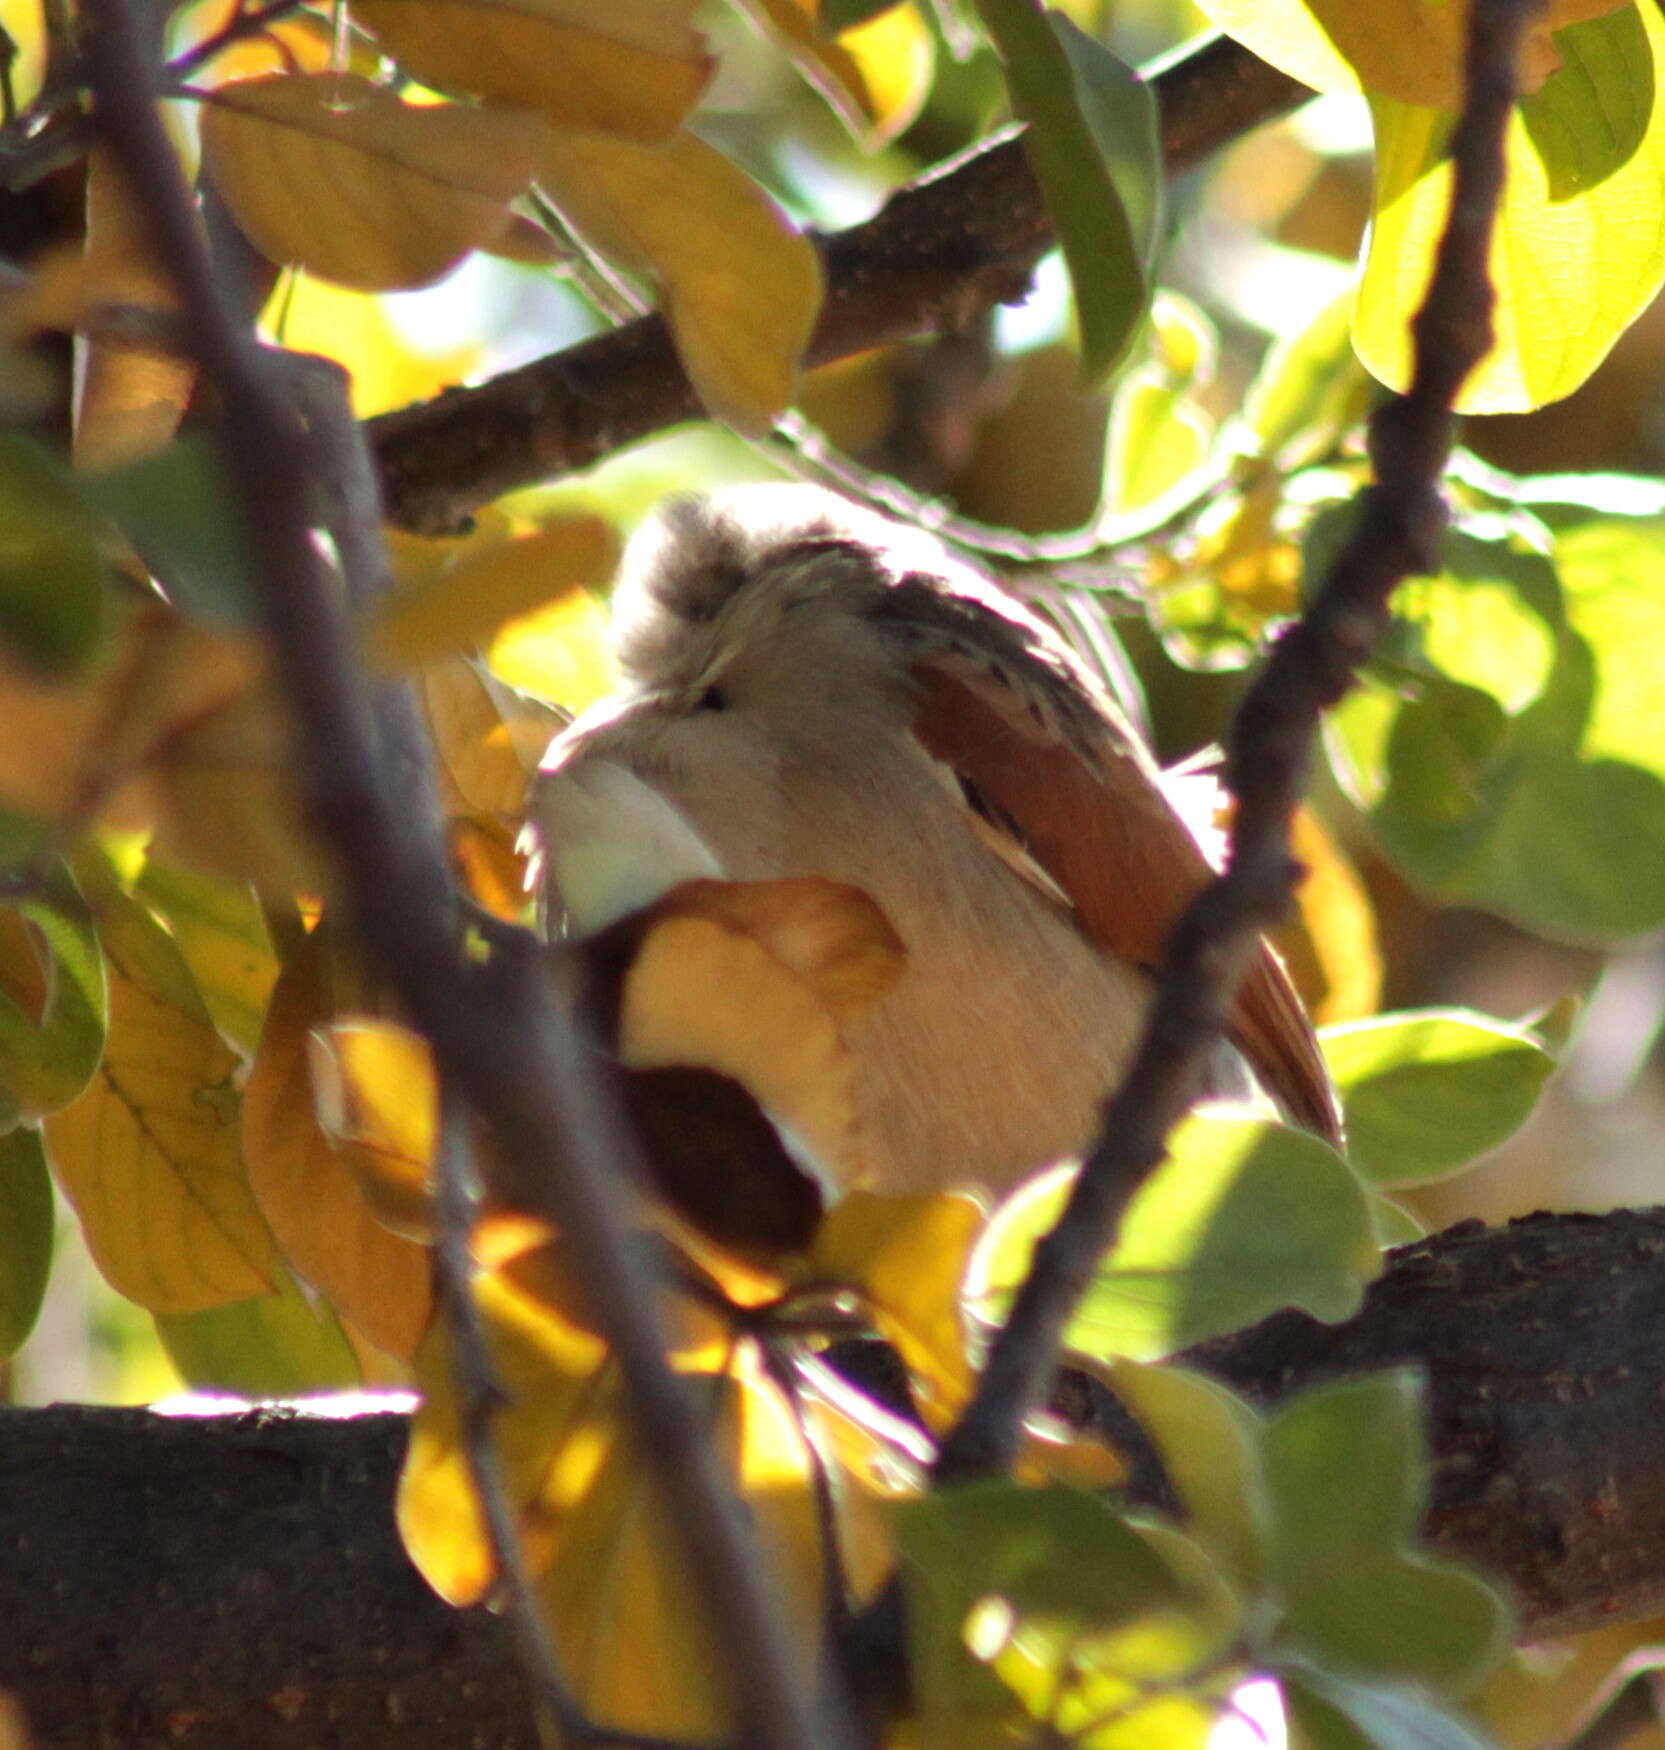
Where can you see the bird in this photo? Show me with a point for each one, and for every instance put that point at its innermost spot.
(808, 688)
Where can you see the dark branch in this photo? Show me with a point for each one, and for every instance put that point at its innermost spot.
(235, 1583)
(497, 1036)
(1269, 751)
(939, 254)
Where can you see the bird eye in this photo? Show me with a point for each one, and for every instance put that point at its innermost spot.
(712, 699)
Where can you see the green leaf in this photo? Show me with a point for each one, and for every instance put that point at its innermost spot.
(278, 1345)
(1555, 816)
(1092, 141)
(1329, 1711)
(26, 1218)
(179, 511)
(836, 15)
(1426, 1093)
(1580, 245)
(1244, 1217)
(1402, 1618)
(1002, 1586)
(53, 584)
(1345, 1470)
(1310, 390)
(49, 1050)
(1158, 441)
(1209, 1442)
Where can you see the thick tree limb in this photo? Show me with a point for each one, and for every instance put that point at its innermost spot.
(941, 252)
(235, 1582)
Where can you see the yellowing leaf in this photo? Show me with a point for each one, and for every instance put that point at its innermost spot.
(1331, 946)
(906, 1257)
(630, 67)
(375, 1094)
(488, 738)
(465, 606)
(150, 1155)
(562, 652)
(335, 174)
(875, 75)
(485, 856)
(741, 286)
(1580, 245)
(321, 1217)
(130, 398)
(1411, 50)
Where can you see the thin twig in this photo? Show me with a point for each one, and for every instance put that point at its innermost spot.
(497, 1034)
(1396, 534)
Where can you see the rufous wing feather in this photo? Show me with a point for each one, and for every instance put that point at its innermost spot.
(1096, 819)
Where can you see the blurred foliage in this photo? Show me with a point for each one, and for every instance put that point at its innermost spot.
(1168, 438)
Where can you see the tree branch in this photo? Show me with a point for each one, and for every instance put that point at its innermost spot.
(940, 252)
(496, 1033)
(1395, 535)
(236, 1582)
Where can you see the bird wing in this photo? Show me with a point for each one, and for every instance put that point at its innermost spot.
(1008, 711)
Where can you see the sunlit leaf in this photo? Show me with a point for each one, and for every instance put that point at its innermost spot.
(874, 66)
(467, 605)
(53, 1001)
(1092, 141)
(340, 177)
(1427, 1092)
(220, 930)
(314, 1200)
(1409, 49)
(562, 653)
(53, 581)
(636, 67)
(1330, 946)
(270, 1346)
(1580, 245)
(1244, 1217)
(1309, 391)
(150, 1155)
(488, 738)
(375, 1094)
(26, 1217)
(741, 285)
(131, 397)
(906, 1256)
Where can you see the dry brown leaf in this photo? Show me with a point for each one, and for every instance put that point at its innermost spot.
(376, 1279)
(631, 67)
(338, 176)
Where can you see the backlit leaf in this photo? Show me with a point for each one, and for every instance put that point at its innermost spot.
(26, 1217)
(311, 1195)
(741, 286)
(1330, 945)
(465, 606)
(340, 177)
(53, 1002)
(635, 68)
(1427, 1092)
(1580, 245)
(562, 652)
(150, 1155)
(1092, 141)
(488, 738)
(1244, 1217)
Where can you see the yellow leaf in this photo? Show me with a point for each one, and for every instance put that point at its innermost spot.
(562, 653)
(1331, 947)
(906, 1256)
(875, 75)
(488, 738)
(150, 1155)
(493, 870)
(388, 368)
(337, 175)
(130, 398)
(465, 606)
(741, 286)
(617, 1585)
(557, 1426)
(321, 1217)
(1573, 265)
(631, 67)
(1411, 50)
(375, 1093)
